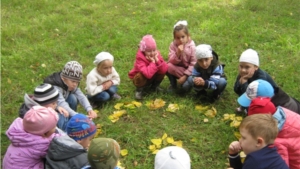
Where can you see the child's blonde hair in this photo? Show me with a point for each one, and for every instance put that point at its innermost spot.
(261, 125)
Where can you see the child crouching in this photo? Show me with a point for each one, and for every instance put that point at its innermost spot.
(70, 151)
(30, 138)
(102, 81)
(149, 67)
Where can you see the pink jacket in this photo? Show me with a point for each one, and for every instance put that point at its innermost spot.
(147, 68)
(182, 65)
(26, 150)
(288, 138)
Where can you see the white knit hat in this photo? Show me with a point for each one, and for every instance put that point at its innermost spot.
(103, 56)
(172, 157)
(203, 51)
(250, 56)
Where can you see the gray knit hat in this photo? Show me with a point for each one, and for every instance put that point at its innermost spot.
(45, 94)
(72, 70)
(203, 51)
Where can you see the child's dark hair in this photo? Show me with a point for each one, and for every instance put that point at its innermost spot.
(179, 28)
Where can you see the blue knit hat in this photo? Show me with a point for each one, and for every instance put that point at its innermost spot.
(80, 127)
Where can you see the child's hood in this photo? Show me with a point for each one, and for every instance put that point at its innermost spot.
(20, 138)
(64, 147)
(29, 102)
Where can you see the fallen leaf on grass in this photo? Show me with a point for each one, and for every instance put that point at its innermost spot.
(116, 115)
(201, 108)
(235, 124)
(172, 108)
(156, 142)
(118, 106)
(170, 140)
(164, 136)
(137, 104)
(124, 152)
(205, 120)
(210, 113)
(156, 104)
(177, 143)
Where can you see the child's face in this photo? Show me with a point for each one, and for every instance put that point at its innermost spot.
(105, 68)
(49, 133)
(248, 143)
(85, 143)
(51, 105)
(247, 68)
(204, 62)
(150, 53)
(181, 37)
(72, 84)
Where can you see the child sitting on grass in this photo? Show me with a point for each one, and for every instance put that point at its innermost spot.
(103, 153)
(70, 151)
(67, 82)
(249, 71)
(172, 157)
(30, 138)
(258, 133)
(181, 57)
(149, 67)
(102, 81)
(288, 138)
(262, 88)
(208, 72)
(45, 95)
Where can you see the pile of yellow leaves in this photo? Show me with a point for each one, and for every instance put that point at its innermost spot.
(116, 115)
(99, 130)
(208, 112)
(235, 120)
(163, 141)
(172, 108)
(156, 104)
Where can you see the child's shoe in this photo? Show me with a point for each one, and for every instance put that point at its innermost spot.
(139, 93)
(171, 89)
(116, 96)
(159, 89)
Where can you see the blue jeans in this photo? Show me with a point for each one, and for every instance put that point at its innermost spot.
(62, 121)
(105, 95)
(186, 86)
(220, 83)
(72, 101)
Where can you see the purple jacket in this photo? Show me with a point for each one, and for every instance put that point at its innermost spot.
(184, 64)
(26, 150)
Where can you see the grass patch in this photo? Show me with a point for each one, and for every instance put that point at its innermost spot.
(55, 32)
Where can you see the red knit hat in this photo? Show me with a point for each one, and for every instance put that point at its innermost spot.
(261, 105)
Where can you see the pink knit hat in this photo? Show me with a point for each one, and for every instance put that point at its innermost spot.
(147, 43)
(39, 120)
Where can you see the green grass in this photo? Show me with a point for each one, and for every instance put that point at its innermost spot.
(55, 32)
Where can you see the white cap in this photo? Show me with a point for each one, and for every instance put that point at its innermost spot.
(172, 157)
(103, 56)
(203, 51)
(250, 56)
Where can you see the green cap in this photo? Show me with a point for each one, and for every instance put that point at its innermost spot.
(103, 153)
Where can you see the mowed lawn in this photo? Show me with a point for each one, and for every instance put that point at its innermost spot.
(40, 36)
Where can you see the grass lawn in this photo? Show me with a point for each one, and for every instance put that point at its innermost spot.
(40, 36)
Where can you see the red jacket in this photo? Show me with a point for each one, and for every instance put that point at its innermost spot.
(146, 67)
(288, 138)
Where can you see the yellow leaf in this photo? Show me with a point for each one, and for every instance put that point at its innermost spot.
(96, 111)
(235, 124)
(119, 113)
(124, 152)
(210, 113)
(98, 126)
(231, 116)
(239, 118)
(205, 120)
(156, 104)
(154, 152)
(130, 106)
(156, 142)
(177, 143)
(137, 104)
(152, 147)
(200, 107)
(193, 140)
(164, 136)
(170, 140)
(98, 132)
(237, 135)
(120, 165)
(214, 110)
(226, 117)
(172, 108)
(8, 81)
(242, 154)
(118, 106)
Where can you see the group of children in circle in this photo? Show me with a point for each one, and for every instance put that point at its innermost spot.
(270, 134)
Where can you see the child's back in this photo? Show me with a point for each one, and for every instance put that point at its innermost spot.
(30, 139)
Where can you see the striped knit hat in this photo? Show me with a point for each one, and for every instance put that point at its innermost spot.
(45, 94)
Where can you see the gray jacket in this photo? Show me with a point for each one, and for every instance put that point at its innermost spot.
(65, 153)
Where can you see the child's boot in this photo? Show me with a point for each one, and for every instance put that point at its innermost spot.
(139, 93)
(155, 86)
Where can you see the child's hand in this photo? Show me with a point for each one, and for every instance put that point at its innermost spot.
(182, 79)
(156, 57)
(63, 111)
(107, 85)
(92, 114)
(199, 81)
(235, 147)
(244, 79)
(151, 59)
